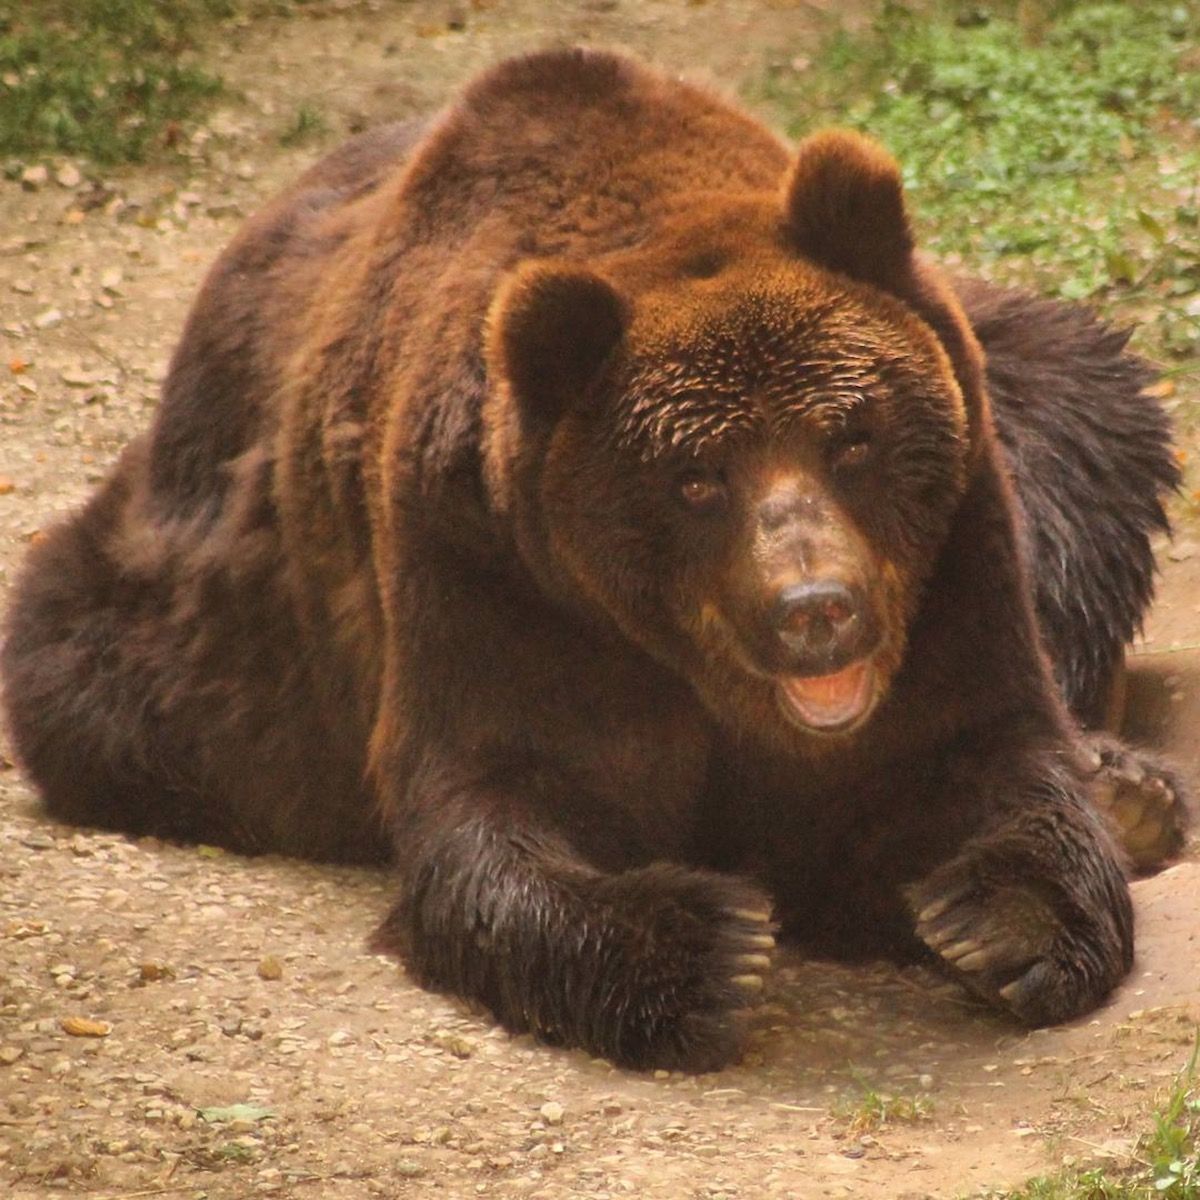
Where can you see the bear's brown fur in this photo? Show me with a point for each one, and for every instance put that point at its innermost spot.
(597, 509)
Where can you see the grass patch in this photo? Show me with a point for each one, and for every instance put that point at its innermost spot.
(308, 123)
(871, 1109)
(1066, 158)
(110, 80)
(101, 78)
(1166, 1163)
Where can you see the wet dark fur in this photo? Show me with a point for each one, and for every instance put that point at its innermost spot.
(206, 652)
(1064, 391)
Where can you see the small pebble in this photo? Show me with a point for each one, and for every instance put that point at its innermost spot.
(270, 968)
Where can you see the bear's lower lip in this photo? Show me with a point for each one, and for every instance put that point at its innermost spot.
(830, 703)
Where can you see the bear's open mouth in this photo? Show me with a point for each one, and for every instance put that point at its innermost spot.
(830, 703)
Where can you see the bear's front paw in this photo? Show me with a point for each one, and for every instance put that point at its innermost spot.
(1022, 944)
(694, 951)
(1144, 800)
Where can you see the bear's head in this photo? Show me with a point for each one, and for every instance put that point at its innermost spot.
(744, 440)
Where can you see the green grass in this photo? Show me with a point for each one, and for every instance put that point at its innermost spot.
(1172, 1148)
(1069, 161)
(1164, 1166)
(308, 123)
(870, 1109)
(1088, 1185)
(101, 78)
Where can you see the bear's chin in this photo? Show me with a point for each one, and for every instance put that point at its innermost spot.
(829, 704)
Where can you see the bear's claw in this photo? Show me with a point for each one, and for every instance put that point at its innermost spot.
(754, 915)
(756, 962)
(1022, 991)
(958, 952)
(752, 983)
(978, 960)
(931, 912)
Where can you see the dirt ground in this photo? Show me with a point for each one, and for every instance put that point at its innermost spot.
(228, 984)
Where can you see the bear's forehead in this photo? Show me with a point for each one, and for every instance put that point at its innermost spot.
(689, 409)
(761, 326)
(762, 369)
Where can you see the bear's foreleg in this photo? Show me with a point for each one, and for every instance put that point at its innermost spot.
(648, 966)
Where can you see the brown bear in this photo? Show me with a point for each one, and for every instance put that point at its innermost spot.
(596, 509)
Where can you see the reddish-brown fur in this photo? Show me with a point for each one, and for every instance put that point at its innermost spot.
(487, 461)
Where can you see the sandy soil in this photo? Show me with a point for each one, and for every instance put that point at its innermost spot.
(227, 984)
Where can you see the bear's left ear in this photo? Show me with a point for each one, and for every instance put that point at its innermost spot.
(550, 330)
(844, 209)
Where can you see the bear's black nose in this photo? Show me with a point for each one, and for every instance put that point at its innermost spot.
(820, 623)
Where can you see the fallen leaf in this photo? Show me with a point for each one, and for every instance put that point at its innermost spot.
(235, 1112)
(1161, 390)
(85, 1027)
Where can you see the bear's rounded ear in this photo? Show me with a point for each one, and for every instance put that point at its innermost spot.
(550, 330)
(844, 208)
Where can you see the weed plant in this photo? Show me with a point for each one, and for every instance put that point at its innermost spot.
(307, 125)
(870, 1109)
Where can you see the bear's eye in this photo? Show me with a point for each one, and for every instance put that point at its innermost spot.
(851, 451)
(702, 491)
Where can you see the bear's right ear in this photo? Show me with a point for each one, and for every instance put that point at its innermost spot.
(844, 209)
(550, 330)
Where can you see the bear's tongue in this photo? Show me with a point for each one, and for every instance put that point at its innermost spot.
(830, 701)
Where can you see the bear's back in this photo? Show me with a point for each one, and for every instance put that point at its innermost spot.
(357, 299)
(576, 150)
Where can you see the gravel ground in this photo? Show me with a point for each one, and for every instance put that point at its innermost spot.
(175, 1021)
